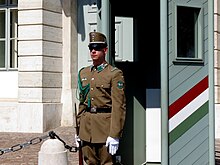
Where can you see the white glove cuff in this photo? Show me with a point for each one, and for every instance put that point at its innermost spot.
(113, 144)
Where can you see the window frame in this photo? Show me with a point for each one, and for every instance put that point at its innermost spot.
(8, 9)
(198, 38)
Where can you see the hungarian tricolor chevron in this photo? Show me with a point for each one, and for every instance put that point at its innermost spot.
(188, 110)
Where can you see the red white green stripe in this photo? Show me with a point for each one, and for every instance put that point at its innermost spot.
(194, 100)
(189, 109)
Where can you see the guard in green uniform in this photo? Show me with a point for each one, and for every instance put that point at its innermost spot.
(102, 106)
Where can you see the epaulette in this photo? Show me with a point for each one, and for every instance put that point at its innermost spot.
(81, 70)
(83, 90)
(114, 68)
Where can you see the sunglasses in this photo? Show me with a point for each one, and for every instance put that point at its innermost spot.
(96, 47)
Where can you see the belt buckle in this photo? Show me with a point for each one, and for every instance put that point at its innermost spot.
(93, 110)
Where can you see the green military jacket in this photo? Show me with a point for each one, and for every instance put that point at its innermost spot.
(101, 87)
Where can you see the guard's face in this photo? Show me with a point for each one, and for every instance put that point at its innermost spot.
(96, 46)
(98, 51)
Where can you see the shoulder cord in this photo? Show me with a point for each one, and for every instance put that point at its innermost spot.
(83, 91)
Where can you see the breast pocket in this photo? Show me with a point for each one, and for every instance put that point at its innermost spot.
(103, 88)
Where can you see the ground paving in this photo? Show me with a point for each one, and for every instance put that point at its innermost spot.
(29, 155)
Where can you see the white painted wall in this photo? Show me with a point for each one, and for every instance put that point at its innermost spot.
(153, 126)
(9, 85)
(217, 66)
(153, 134)
(217, 121)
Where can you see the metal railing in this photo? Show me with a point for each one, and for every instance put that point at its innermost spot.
(35, 141)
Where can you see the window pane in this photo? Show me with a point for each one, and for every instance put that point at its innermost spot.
(13, 24)
(2, 24)
(2, 2)
(2, 54)
(13, 54)
(8, 37)
(13, 2)
(186, 31)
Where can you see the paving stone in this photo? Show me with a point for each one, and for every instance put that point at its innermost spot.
(29, 155)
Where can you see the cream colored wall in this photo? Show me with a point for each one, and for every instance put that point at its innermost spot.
(69, 77)
(9, 85)
(8, 101)
(217, 65)
(40, 65)
(44, 88)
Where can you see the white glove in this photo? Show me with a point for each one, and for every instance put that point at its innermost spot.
(113, 144)
(77, 140)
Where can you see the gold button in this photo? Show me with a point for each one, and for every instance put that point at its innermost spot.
(93, 78)
(92, 89)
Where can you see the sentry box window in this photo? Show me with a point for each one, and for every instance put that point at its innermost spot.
(188, 34)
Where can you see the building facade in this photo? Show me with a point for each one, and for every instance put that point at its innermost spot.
(38, 64)
(43, 44)
(217, 66)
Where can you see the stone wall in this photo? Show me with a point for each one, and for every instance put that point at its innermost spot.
(217, 66)
(40, 65)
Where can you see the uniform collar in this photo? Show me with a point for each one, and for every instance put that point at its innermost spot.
(99, 67)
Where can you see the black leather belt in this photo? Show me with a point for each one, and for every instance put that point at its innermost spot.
(98, 110)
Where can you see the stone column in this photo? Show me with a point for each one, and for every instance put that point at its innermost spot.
(40, 65)
(69, 19)
(217, 66)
